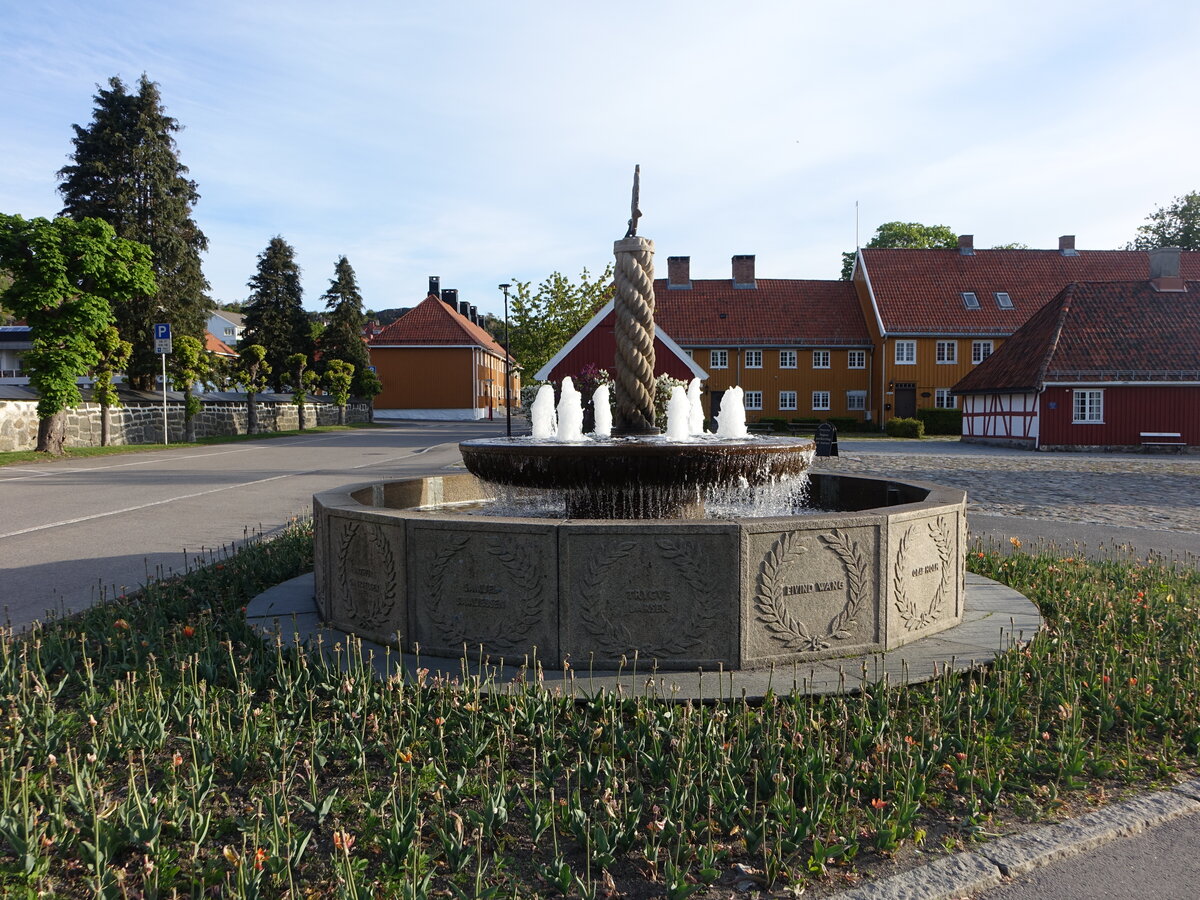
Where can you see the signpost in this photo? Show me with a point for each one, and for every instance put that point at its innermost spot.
(162, 346)
(826, 439)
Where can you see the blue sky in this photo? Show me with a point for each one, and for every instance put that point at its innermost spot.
(488, 142)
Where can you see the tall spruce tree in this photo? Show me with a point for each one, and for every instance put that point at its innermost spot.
(126, 172)
(343, 335)
(275, 316)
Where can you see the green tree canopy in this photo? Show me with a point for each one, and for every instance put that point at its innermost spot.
(275, 316)
(1174, 225)
(125, 171)
(342, 338)
(542, 321)
(904, 236)
(67, 277)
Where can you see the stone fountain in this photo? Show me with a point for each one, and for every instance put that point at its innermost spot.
(634, 565)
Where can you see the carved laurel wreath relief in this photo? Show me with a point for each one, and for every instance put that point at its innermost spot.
(372, 610)
(793, 633)
(501, 633)
(613, 637)
(912, 613)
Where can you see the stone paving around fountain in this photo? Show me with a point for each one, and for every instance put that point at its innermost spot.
(1121, 490)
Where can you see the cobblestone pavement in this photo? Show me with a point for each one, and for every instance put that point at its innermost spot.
(1158, 492)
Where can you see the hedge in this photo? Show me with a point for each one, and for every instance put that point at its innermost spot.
(908, 428)
(941, 421)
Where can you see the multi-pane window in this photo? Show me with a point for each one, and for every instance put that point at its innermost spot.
(947, 351)
(944, 399)
(856, 359)
(820, 359)
(718, 359)
(753, 399)
(228, 331)
(753, 359)
(906, 353)
(787, 359)
(820, 400)
(856, 400)
(1089, 407)
(980, 350)
(787, 400)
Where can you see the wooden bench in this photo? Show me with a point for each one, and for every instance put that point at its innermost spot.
(760, 428)
(1171, 440)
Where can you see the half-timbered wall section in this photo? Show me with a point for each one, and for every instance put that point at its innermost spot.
(1010, 419)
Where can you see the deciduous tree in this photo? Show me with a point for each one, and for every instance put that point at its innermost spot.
(67, 276)
(904, 236)
(275, 317)
(126, 171)
(1174, 225)
(113, 356)
(339, 376)
(188, 364)
(303, 379)
(542, 321)
(253, 371)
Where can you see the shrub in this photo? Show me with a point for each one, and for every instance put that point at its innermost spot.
(908, 428)
(844, 423)
(941, 421)
(779, 424)
(807, 420)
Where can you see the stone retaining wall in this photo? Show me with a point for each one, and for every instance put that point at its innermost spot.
(141, 423)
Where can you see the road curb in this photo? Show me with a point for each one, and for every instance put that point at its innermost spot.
(987, 866)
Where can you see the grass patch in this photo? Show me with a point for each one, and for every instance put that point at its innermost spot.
(154, 744)
(11, 457)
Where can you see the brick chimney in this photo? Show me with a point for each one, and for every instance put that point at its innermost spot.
(450, 298)
(1164, 270)
(679, 272)
(474, 313)
(464, 309)
(1066, 245)
(435, 285)
(966, 244)
(743, 271)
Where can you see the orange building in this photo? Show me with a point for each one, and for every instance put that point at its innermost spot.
(934, 315)
(435, 362)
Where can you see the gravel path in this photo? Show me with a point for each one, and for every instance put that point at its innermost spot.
(1158, 492)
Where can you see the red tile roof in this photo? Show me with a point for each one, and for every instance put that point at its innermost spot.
(920, 291)
(213, 344)
(778, 311)
(1100, 331)
(430, 323)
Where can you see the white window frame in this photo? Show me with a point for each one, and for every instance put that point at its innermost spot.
(1003, 300)
(753, 399)
(820, 401)
(1091, 410)
(229, 331)
(787, 400)
(981, 350)
(787, 359)
(947, 353)
(856, 359)
(718, 359)
(943, 398)
(906, 353)
(856, 401)
(822, 359)
(753, 359)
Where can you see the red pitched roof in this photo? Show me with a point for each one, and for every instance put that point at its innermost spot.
(430, 323)
(713, 313)
(213, 344)
(1099, 331)
(920, 291)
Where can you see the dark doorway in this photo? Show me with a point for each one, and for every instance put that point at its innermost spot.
(906, 399)
(714, 404)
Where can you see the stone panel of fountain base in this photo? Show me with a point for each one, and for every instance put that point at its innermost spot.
(396, 563)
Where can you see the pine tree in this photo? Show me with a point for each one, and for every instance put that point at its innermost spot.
(275, 316)
(126, 172)
(342, 338)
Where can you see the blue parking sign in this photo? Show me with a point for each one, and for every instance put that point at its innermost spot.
(162, 331)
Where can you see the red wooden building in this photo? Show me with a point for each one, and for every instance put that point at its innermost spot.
(1103, 364)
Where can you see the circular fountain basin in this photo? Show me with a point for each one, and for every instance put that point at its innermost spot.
(635, 477)
(403, 563)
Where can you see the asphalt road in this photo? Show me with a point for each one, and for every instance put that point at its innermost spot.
(75, 531)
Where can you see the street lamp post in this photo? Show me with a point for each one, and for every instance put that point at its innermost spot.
(507, 368)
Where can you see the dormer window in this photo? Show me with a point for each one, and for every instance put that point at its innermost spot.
(970, 300)
(1003, 300)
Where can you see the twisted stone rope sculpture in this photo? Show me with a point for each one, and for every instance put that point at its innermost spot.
(634, 332)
